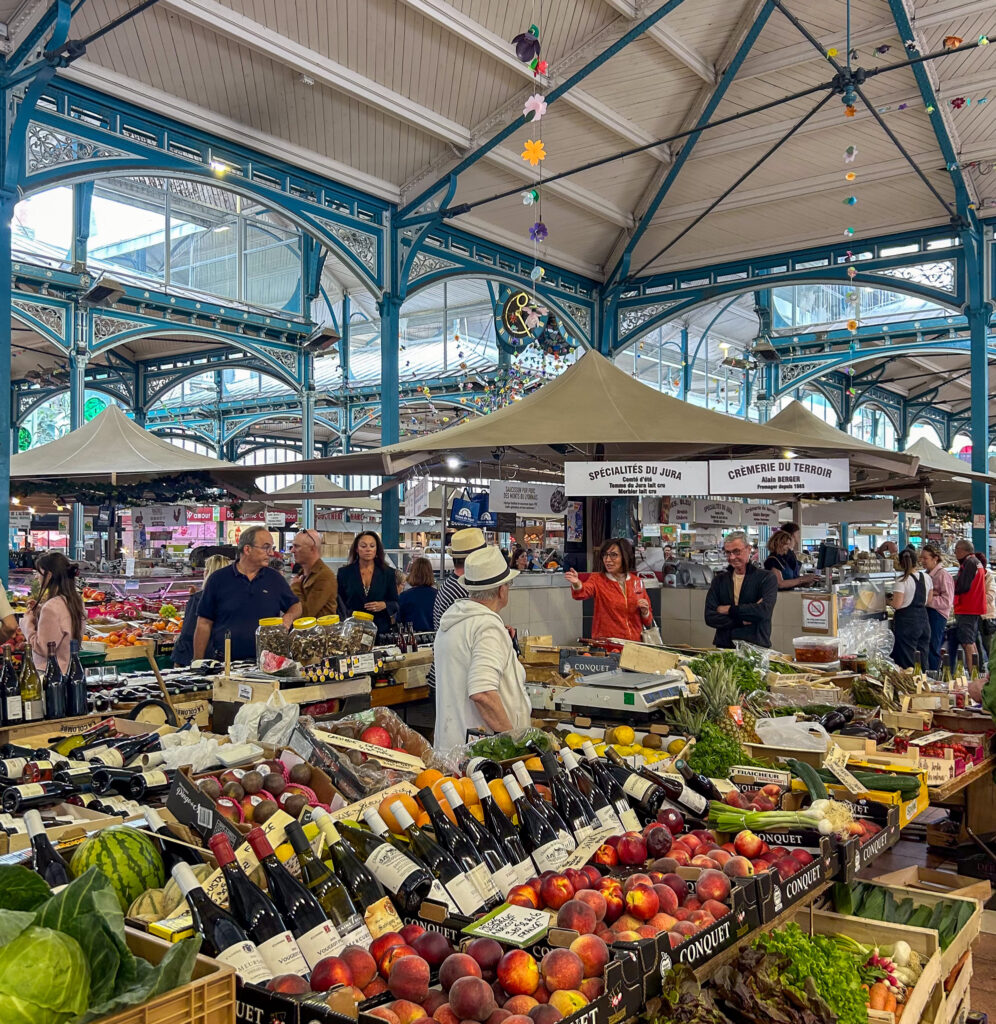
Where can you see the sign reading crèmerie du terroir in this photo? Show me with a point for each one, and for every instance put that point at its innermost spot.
(778, 476)
(636, 478)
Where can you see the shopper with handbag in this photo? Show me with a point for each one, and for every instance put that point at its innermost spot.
(622, 605)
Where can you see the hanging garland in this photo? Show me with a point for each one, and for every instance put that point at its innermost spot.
(183, 488)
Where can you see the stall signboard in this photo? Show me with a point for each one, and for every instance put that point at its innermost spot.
(575, 522)
(760, 515)
(158, 517)
(718, 513)
(417, 496)
(277, 519)
(207, 514)
(20, 519)
(681, 511)
(778, 476)
(527, 499)
(636, 479)
(868, 510)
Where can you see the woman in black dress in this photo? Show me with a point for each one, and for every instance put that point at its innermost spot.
(367, 583)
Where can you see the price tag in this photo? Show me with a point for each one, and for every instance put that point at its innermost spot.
(363, 663)
(582, 853)
(516, 926)
(245, 691)
(836, 763)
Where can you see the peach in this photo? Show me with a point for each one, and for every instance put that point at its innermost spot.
(289, 984)
(627, 923)
(411, 931)
(615, 905)
(659, 841)
(520, 1018)
(392, 956)
(594, 875)
(679, 885)
(593, 954)
(672, 818)
(702, 918)
(579, 879)
(331, 971)
(608, 882)
(681, 856)
(518, 972)
(487, 953)
(498, 1016)
(713, 885)
(472, 998)
(537, 880)
(375, 987)
(433, 1001)
(759, 864)
(523, 896)
(361, 965)
(632, 848)
(747, 844)
(406, 1011)
(628, 936)
(693, 903)
(804, 857)
(656, 877)
(642, 902)
(646, 931)
(542, 993)
(385, 1014)
(777, 852)
(561, 969)
(738, 867)
(638, 878)
(716, 908)
(664, 865)
(700, 860)
(593, 899)
(556, 891)
(676, 938)
(606, 856)
(592, 988)
(383, 943)
(681, 914)
(577, 916)
(409, 979)
(433, 947)
(520, 1004)
(545, 1014)
(568, 1001)
(667, 898)
(663, 922)
(786, 867)
(720, 856)
(444, 1015)
(686, 928)
(458, 965)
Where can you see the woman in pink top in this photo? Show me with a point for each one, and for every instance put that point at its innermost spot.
(940, 601)
(58, 614)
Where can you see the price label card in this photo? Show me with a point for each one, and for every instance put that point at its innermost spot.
(836, 764)
(363, 663)
(583, 851)
(388, 758)
(516, 926)
(245, 691)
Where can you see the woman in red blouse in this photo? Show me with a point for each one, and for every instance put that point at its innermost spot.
(622, 607)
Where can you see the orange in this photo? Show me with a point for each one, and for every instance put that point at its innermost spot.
(423, 819)
(502, 799)
(427, 777)
(437, 786)
(534, 764)
(468, 792)
(385, 810)
(478, 812)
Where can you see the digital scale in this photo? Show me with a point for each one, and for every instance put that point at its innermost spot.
(623, 694)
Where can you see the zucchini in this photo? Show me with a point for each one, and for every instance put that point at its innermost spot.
(843, 899)
(810, 779)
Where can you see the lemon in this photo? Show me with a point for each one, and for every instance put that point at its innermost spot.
(624, 734)
(675, 746)
(574, 741)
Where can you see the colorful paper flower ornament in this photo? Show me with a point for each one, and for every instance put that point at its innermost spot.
(884, 48)
(958, 102)
(527, 44)
(531, 195)
(533, 151)
(952, 42)
(538, 232)
(852, 273)
(540, 67)
(849, 154)
(852, 325)
(535, 105)
(536, 274)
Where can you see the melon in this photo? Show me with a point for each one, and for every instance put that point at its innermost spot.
(126, 857)
(150, 906)
(172, 895)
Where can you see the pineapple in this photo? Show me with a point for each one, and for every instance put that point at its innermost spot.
(721, 692)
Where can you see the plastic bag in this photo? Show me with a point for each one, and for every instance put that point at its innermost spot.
(759, 657)
(271, 722)
(870, 637)
(784, 732)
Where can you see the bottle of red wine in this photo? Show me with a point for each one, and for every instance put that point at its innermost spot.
(11, 712)
(649, 790)
(45, 859)
(174, 851)
(223, 937)
(600, 773)
(604, 810)
(545, 808)
(151, 783)
(573, 806)
(504, 831)
(491, 770)
(698, 782)
(17, 799)
(106, 779)
(441, 865)
(502, 874)
(254, 910)
(461, 848)
(539, 837)
(55, 686)
(76, 694)
(359, 880)
(316, 936)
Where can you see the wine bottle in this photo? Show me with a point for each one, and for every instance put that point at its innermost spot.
(491, 770)
(119, 752)
(501, 872)
(441, 864)
(608, 818)
(343, 861)
(573, 806)
(65, 745)
(613, 790)
(174, 851)
(316, 936)
(698, 782)
(461, 848)
(77, 776)
(255, 912)
(106, 779)
(539, 837)
(32, 703)
(504, 831)
(650, 790)
(55, 686)
(76, 693)
(43, 769)
(81, 799)
(328, 890)
(403, 877)
(150, 784)
(18, 799)
(11, 711)
(45, 859)
(545, 808)
(17, 758)
(223, 937)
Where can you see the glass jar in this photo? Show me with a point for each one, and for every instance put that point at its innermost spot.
(332, 635)
(359, 633)
(307, 641)
(272, 636)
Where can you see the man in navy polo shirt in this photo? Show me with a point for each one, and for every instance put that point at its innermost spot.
(238, 596)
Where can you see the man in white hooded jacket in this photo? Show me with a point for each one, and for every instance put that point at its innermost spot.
(479, 680)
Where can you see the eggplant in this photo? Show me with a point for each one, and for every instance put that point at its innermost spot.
(859, 730)
(837, 719)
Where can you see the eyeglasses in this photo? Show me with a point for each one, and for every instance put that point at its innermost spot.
(264, 547)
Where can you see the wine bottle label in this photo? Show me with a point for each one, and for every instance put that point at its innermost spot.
(463, 888)
(44, 766)
(484, 882)
(582, 831)
(567, 839)
(629, 819)
(381, 918)
(608, 818)
(31, 789)
(391, 867)
(524, 870)
(318, 943)
(506, 877)
(282, 955)
(14, 710)
(550, 856)
(85, 799)
(14, 767)
(439, 893)
(248, 964)
(155, 778)
(355, 932)
(637, 788)
(34, 710)
(110, 756)
(695, 802)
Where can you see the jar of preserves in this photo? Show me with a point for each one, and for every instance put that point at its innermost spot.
(359, 633)
(332, 635)
(307, 641)
(272, 636)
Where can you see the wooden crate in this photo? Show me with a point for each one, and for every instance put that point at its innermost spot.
(943, 883)
(956, 998)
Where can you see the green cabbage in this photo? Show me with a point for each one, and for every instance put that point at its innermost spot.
(44, 978)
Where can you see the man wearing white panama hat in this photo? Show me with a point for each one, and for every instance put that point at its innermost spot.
(479, 680)
(462, 544)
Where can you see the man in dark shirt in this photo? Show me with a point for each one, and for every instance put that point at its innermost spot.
(741, 600)
(238, 596)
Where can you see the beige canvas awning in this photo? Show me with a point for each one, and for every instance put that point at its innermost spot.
(324, 493)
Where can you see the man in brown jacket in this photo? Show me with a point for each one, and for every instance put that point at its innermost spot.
(316, 586)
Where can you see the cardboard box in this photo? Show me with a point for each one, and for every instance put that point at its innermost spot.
(636, 657)
(540, 650)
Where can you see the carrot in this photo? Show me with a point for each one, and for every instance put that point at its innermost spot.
(899, 1011)
(890, 1003)
(877, 996)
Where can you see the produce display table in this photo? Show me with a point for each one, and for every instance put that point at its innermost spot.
(943, 793)
(973, 792)
(391, 696)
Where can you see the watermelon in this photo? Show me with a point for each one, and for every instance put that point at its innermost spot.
(128, 858)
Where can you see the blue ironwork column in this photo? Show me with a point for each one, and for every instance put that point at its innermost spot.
(390, 409)
(8, 199)
(344, 340)
(977, 312)
(79, 356)
(82, 203)
(308, 446)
